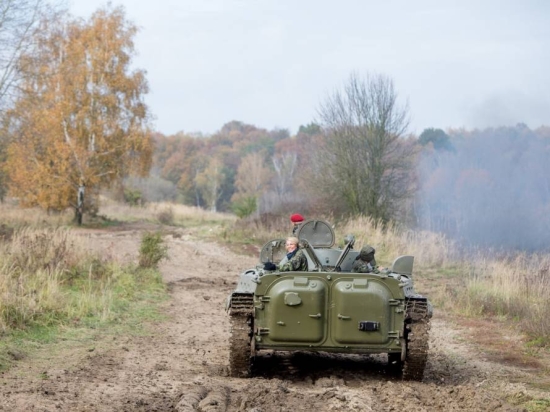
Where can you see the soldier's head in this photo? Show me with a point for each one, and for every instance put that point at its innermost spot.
(367, 254)
(296, 220)
(291, 244)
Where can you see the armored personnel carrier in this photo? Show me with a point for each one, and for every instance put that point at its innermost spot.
(328, 308)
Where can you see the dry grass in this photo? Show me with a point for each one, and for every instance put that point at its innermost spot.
(256, 231)
(429, 249)
(165, 213)
(13, 216)
(516, 288)
(48, 278)
(33, 267)
(32, 250)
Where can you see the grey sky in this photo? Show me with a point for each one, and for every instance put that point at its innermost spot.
(269, 63)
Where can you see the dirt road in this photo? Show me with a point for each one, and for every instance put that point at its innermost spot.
(181, 363)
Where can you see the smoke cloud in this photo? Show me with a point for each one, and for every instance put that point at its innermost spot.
(491, 189)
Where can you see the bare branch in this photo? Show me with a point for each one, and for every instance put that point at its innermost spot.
(19, 21)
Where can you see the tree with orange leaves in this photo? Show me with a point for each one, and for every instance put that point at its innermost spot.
(80, 119)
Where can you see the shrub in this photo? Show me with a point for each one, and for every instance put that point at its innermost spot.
(133, 197)
(152, 250)
(166, 216)
(244, 206)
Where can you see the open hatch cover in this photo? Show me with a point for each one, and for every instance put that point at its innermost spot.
(317, 232)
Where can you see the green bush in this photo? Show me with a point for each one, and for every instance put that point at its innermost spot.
(152, 250)
(133, 197)
(244, 206)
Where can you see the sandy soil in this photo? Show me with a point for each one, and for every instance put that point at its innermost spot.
(181, 363)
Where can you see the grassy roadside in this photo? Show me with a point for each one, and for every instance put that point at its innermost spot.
(56, 295)
(128, 320)
(52, 288)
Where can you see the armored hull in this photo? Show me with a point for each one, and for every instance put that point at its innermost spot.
(329, 309)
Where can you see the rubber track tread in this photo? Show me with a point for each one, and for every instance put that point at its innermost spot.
(242, 306)
(417, 339)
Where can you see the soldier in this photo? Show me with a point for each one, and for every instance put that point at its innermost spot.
(297, 220)
(365, 262)
(295, 258)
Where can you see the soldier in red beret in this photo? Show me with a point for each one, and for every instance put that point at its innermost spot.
(297, 220)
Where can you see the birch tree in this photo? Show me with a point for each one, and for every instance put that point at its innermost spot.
(209, 183)
(252, 179)
(80, 119)
(285, 167)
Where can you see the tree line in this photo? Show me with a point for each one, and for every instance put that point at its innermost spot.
(485, 187)
(349, 162)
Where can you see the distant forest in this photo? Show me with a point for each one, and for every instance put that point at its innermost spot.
(490, 187)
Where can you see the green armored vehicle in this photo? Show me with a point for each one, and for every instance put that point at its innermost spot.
(328, 308)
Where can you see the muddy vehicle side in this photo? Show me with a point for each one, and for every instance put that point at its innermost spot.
(329, 308)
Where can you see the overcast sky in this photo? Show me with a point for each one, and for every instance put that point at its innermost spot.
(463, 63)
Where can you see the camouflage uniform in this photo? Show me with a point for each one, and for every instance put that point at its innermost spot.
(296, 262)
(360, 266)
(365, 262)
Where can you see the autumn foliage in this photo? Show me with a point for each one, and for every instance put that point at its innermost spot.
(80, 118)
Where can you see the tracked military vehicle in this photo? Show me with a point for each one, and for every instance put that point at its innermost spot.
(328, 308)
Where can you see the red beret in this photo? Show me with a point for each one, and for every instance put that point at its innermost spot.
(296, 218)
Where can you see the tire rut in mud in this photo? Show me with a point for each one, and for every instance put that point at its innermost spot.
(203, 399)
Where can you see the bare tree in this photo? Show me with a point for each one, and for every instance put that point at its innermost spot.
(285, 166)
(363, 158)
(19, 21)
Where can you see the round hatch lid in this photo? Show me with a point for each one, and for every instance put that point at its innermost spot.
(273, 251)
(317, 232)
